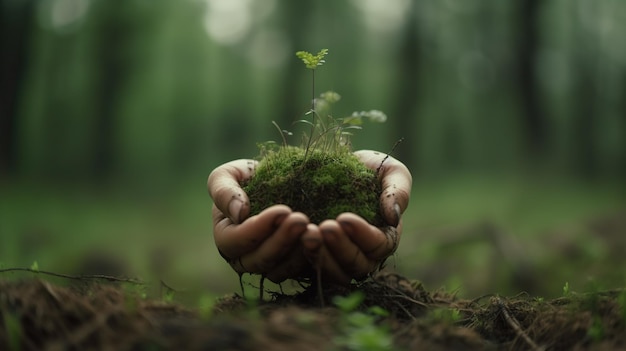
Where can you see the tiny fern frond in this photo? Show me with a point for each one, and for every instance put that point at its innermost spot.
(312, 61)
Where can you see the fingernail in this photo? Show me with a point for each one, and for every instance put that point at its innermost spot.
(347, 227)
(328, 233)
(297, 228)
(279, 219)
(312, 245)
(396, 210)
(234, 210)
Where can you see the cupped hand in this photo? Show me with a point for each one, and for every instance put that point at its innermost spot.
(267, 243)
(281, 244)
(349, 247)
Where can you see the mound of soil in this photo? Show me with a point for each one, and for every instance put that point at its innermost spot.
(36, 315)
(321, 184)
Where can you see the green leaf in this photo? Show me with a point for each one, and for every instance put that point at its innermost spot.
(312, 61)
(353, 120)
(373, 115)
(596, 330)
(305, 122)
(35, 266)
(330, 96)
(13, 330)
(350, 302)
(205, 305)
(169, 295)
(376, 116)
(359, 319)
(378, 311)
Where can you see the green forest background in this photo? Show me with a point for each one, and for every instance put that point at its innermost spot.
(513, 114)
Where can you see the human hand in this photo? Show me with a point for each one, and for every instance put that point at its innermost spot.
(349, 247)
(280, 243)
(267, 243)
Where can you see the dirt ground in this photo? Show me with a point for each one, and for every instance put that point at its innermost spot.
(37, 315)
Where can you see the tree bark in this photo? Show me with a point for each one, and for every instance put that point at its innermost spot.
(404, 114)
(533, 113)
(297, 18)
(113, 36)
(15, 34)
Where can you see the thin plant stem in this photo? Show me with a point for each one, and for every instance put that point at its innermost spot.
(313, 90)
(308, 144)
(282, 134)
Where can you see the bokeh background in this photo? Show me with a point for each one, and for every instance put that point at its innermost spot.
(513, 114)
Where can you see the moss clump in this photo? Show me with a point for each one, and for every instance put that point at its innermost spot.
(321, 185)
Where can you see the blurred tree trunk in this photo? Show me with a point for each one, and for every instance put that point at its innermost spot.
(584, 100)
(534, 117)
(15, 33)
(113, 41)
(622, 166)
(296, 17)
(404, 114)
(584, 126)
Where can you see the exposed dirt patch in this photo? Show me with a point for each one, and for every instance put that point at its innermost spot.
(36, 315)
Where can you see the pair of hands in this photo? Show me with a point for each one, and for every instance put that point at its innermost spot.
(281, 244)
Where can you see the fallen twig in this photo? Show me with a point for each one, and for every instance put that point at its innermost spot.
(75, 277)
(405, 310)
(514, 324)
(407, 298)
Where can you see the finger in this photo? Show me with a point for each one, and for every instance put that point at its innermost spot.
(295, 265)
(225, 189)
(376, 243)
(219, 217)
(396, 183)
(277, 246)
(312, 240)
(331, 270)
(321, 259)
(345, 252)
(234, 240)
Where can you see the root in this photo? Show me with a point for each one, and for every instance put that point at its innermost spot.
(320, 293)
(514, 324)
(75, 277)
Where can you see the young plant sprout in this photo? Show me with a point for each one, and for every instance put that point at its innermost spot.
(321, 178)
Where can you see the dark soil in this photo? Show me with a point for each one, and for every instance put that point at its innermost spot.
(36, 315)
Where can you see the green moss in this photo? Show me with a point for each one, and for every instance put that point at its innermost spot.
(322, 185)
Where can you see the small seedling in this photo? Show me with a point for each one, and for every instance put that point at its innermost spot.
(169, 296)
(205, 306)
(312, 62)
(360, 330)
(596, 330)
(321, 178)
(566, 291)
(349, 303)
(13, 330)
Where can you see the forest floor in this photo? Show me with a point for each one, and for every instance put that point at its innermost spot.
(387, 311)
(578, 231)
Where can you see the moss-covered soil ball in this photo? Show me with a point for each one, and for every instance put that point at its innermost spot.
(319, 184)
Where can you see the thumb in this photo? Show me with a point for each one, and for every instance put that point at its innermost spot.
(224, 188)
